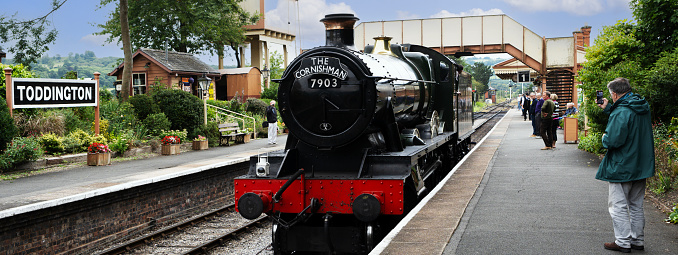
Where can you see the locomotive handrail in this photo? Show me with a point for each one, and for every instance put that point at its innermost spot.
(254, 121)
(398, 79)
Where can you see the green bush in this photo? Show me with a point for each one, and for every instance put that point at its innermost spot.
(22, 149)
(119, 144)
(103, 129)
(271, 92)
(105, 95)
(183, 110)
(81, 138)
(182, 134)
(143, 106)
(211, 131)
(120, 116)
(256, 106)
(52, 144)
(157, 122)
(40, 123)
(592, 143)
(9, 130)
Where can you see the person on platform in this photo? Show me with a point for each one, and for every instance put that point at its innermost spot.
(525, 105)
(536, 120)
(272, 119)
(570, 110)
(546, 114)
(628, 162)
(556, 119)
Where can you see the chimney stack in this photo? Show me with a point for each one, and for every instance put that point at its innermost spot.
(339, 29)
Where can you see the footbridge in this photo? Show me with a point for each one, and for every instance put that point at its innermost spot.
(555, 61)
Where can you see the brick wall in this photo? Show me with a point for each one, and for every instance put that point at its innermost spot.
(83, 225)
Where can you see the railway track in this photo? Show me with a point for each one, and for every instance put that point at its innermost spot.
(196, 235)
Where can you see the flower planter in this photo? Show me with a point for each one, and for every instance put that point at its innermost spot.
(246, 138)
(98, 159)
(199, 145)
(170, 149)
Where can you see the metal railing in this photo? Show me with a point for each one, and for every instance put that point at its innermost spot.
(233, 115)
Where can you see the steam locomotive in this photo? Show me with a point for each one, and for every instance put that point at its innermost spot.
(370, 134)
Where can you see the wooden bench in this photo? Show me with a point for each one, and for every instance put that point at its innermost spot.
(229, 132)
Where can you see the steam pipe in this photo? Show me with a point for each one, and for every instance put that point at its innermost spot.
(276, 197)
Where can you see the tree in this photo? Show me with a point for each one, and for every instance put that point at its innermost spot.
(481, 73)
(127, 50)
(186, 26)
(31, 36)
(657, 26)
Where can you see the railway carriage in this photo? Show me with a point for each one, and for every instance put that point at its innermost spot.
(371, 132)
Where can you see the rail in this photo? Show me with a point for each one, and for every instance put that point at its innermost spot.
(232, 115)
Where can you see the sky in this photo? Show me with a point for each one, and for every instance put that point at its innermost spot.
(76, 20)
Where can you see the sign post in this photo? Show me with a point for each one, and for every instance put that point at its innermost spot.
(8, 89)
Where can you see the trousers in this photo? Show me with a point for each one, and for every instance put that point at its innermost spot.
(272, 132)
(546, 131)
(625, 204)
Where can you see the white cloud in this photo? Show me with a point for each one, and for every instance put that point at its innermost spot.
(312, 30)
(98, 40)
(406, 15)
(472, 12)
(577, 7)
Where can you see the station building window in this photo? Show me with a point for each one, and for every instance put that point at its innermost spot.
(139, 83)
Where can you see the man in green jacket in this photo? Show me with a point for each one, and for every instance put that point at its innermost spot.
(547, 120)
(628, 162)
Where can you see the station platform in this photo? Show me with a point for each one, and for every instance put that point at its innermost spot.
(58, 187)
(509, 197)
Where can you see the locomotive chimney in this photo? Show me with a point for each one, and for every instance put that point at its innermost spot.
(382, 45)
(339, 29)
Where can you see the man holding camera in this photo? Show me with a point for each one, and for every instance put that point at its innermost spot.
(628, 162)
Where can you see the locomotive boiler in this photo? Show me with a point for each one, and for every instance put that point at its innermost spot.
(371, 132)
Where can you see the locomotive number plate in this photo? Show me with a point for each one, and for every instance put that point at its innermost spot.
(324, 83)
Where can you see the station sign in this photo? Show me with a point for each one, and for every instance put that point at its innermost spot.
(523, 76)
(49, 93)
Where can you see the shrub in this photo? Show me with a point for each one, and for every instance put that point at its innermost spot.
(592, 143)
(256, 106)
(211, 131)
(77, 141)
(270, 92)
(156, 123)
(44, 122)
(9, 130)
(105, 95)
(22, 149)
(119, 145)
(143, 106)
(120, 116)
(183, 110)
(52, 143)
(182, 134)
(103, 129)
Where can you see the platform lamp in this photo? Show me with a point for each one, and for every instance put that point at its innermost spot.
(266, 72)
(204, 83)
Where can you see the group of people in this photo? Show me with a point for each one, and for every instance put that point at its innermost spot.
(629, 160)
(544, 112)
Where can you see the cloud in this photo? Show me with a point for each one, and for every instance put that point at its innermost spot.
(98, 40)
(312, 30)
(577, 7)
(472, 12)
(406, 15)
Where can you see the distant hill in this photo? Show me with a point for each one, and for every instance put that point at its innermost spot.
(489, 61)
(85, 64)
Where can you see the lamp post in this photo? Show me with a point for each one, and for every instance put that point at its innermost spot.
(266, 72)
(204, 83)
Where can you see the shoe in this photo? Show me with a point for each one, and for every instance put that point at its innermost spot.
(546, 148)
(538, 137)
(638, 247)
(533, 136)
(614, 247)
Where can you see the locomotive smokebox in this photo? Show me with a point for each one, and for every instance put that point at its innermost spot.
(339, 29)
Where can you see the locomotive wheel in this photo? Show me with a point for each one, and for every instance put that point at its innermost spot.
(275, 236)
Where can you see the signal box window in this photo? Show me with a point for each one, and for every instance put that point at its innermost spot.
(139, 83)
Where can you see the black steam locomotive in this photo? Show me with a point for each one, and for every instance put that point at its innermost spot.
(370, 134)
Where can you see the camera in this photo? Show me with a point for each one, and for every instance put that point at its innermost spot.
(599, 97)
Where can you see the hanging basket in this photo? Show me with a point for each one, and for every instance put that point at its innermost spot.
(99, 159)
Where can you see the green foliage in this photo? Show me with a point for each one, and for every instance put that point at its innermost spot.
(77, 141)
(30, 37)
(157, 122)
(673, 216)
(277, 66)
(143, 106)
(660, 85)
(592, 143)
(481, 73)
(121, 116)
(256, 106)
(657, 26)
(103, 129)
(20, 150)
(18, 71)
(211, 131)
(184, 111)
(53, 144)
(666, 154)
(9, 130)
(270, 92)
(119, 145)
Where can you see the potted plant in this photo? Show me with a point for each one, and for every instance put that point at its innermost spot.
(170, 145)
(200, 143)
(98, 154)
